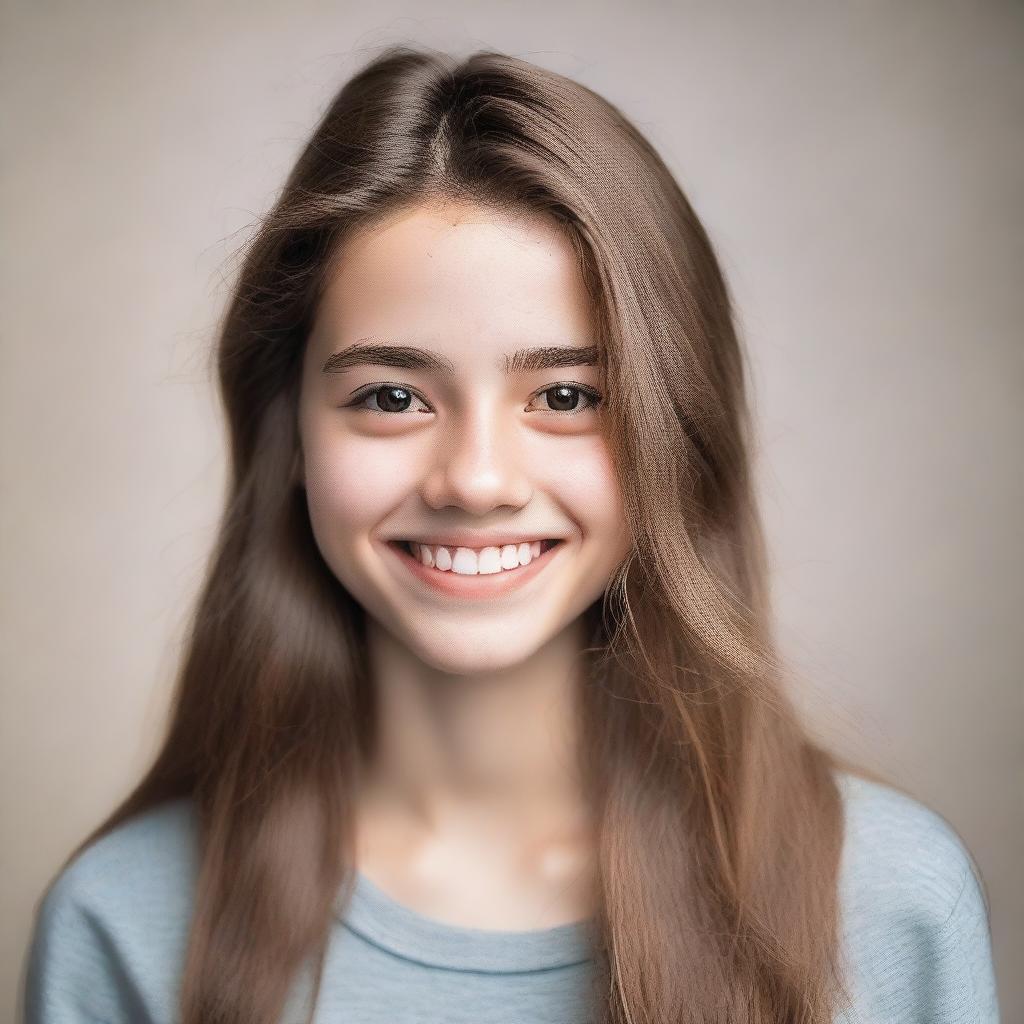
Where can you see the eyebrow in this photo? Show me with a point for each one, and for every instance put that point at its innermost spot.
(409, 357)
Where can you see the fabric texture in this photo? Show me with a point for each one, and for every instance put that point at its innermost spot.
(109, 938)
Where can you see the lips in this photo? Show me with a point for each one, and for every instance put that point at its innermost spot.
(474, 587)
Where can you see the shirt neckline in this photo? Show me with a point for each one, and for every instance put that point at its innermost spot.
(381, 920)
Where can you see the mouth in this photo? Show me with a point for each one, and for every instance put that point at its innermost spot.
(459, 575)
(407, 546)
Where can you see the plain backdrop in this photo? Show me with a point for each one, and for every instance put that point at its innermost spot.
(859, 169)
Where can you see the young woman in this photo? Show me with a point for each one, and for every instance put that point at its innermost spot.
(480, 717)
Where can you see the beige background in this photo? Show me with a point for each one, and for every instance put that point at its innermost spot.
(859, 166)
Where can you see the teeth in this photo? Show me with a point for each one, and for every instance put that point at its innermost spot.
(468, 562)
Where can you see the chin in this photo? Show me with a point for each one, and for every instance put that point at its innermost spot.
(466, 655)
(470, 663)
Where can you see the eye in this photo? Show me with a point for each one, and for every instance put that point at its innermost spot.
(565, 398)
(389, 398)
(397, 399)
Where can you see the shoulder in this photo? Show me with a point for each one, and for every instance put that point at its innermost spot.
(110, 929)
(898, 845)
(141, 868)
(914, 910)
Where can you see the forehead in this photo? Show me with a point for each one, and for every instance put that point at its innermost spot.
(466, 276)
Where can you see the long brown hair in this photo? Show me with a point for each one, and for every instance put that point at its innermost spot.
(720, 820)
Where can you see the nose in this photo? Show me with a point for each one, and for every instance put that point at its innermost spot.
(477, 465)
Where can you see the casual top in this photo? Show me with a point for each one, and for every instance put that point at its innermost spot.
(109, 938)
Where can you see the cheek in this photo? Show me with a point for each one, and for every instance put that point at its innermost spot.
(352, 484)
(587, 487)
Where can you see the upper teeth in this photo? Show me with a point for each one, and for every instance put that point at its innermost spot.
(473, 561)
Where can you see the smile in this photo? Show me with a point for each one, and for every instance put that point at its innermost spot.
(466, 572)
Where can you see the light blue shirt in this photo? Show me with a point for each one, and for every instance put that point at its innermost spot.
(109, 938)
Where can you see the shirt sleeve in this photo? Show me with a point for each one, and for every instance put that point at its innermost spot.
(962, 984)
(916, 920)
(73, 975)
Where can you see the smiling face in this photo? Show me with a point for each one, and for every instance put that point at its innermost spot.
(419, 422)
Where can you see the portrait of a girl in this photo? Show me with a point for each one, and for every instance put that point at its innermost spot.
(480, 715)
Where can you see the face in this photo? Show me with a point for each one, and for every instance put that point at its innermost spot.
(420, 423)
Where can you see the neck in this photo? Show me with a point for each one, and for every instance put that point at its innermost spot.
(491, 755)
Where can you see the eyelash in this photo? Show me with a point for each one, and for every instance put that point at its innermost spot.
(372, 389)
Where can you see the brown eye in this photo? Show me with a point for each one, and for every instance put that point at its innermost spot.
(388, 398)
(392, 399)
(566, 398)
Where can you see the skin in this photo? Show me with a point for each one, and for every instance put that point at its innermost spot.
(472, 812)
